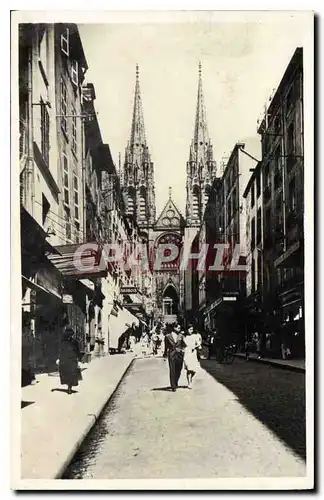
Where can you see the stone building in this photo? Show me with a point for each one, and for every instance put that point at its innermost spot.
(52, 66)
(282, 135)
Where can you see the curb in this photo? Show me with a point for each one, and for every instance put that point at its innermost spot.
(274, 364)
(93, 418)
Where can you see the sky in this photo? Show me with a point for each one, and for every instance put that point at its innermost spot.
(242, 64)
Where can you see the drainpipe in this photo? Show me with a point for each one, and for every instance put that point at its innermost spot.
(30, 171)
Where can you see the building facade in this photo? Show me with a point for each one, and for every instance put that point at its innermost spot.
(282, 134)
(50, 161)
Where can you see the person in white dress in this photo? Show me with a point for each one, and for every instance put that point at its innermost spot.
(190, 359)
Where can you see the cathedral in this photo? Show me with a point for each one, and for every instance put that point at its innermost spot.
(170, 226)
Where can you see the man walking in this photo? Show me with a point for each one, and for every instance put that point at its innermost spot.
(174, 351)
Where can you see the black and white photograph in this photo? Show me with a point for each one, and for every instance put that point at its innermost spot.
(162, 176)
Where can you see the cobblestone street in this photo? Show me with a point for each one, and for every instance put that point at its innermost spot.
(240, 420)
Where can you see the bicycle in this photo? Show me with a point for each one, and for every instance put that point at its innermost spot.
(227, 355)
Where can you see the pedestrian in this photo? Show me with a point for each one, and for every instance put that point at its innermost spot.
(154, 341)
(174, 351)
(68, 362)
(123, 340)
(27, 373)
(190, 359)
(199, 346)
(211, 344)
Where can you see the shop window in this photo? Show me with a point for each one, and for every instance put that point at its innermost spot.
(65, 42)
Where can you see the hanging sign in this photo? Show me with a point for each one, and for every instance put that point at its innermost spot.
(67, 299)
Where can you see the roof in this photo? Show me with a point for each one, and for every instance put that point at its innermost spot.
(253, 176)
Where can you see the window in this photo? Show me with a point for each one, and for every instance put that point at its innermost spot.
(45, 132)
(45, 208)
(259, 270)
(290, 98)
(277, 124)
(267, 176)
(63, 106)
(277, 166)
(229, 211)
(66, 179)
(252, 195)
(43, 51)
(234, 201)
(253, 234)
(74, 132)
(259, 222)
(75, 72)
(292, 195)
(76, 196)
(195, 205)
(267, 228)
(77, 232)
(65, 42)
(253, 275)
(68, 228)
(258, 184)
(278, 208)
(290, 139)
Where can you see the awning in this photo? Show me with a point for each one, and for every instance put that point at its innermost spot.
(79, 261)
(118, 324)
(39, 288)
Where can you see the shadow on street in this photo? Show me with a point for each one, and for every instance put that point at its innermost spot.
(274, 396)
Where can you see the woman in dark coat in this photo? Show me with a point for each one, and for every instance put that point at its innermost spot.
(70, 373)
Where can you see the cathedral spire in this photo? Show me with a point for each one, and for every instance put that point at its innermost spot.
(137, 130)
(138, 171)
(201, 137)
(201, 167)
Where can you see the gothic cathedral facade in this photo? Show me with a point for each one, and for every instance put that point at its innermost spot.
(137, 180)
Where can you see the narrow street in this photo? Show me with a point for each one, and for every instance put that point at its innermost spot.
(240, 420)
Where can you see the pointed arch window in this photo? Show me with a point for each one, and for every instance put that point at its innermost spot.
(142, 204)
(130, 203)
(195, 203)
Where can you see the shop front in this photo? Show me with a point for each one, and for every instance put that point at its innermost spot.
(226, 317)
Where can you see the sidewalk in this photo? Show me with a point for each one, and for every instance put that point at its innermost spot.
(297, 365)
(54, 424)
